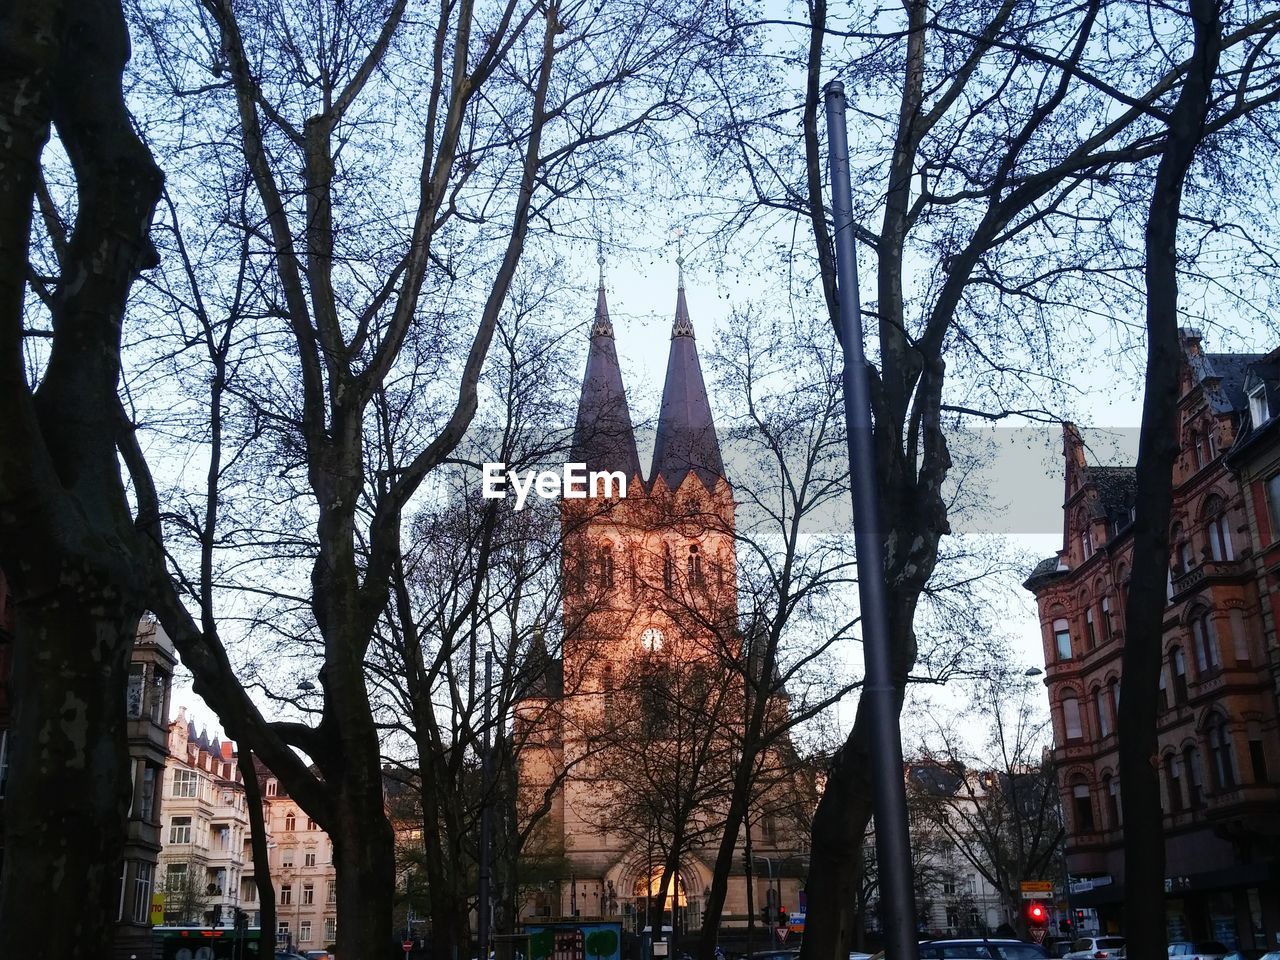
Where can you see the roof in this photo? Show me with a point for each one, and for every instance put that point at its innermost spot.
(603, 436)
(1117, 490)
(686, 439)
(1229, 369)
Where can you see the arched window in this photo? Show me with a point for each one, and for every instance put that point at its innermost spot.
(604, 564)
(1090, 628)
(1195, 777)
(1062, 639)
(1164, 690)
(668, 568)
(1178, 667)
(1072, 726)
(1113, 686)
(694, 564)
(1180, 543)
(290, 822)
(1173, 783)
(1103, 709)
(1204, 638)
(1221, 756)
(1111, 795)
(1197, 442)
(1082, 806)
(1104, 610)
(1218, 529)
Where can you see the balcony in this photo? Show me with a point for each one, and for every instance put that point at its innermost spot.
(1206, 574)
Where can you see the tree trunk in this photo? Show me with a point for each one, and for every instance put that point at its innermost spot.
(261, 855)
(1157, 448)
(364, 859)
(69, 788)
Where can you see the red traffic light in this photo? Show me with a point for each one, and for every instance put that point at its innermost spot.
(1036, 913)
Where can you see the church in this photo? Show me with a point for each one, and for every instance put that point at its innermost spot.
(629, 738)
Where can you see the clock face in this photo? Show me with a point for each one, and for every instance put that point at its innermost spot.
(652, 639)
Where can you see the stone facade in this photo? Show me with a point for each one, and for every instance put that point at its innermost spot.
(649, 620)
(1219, 745)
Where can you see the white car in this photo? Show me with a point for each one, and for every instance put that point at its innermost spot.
(1197, 950)
(1096, 948)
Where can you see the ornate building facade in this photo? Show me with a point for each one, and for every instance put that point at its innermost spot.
(1218, 730)
(627, 737)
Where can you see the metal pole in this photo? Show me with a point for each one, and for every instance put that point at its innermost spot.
(893, 843)
(482, 906)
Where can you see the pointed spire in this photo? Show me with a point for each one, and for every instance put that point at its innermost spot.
(603, 437)
(602, 327)
(683, 327)
(686, 430)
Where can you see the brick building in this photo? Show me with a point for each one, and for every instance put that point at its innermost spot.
(1219, 743)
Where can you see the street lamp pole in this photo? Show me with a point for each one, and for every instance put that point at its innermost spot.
(482, 906)
(893, 843)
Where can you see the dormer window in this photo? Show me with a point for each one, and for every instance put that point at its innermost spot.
(1258, 411)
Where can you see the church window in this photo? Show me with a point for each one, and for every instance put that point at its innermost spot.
(695, 567)
(668, 568)
(604, 565)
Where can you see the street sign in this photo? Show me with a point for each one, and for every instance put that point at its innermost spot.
(1037, 889)
(407, 945)
(1037, 933)
(157, 909)
(782, 934)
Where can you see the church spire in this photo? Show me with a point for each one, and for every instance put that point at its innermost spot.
(686, 431)
(603, 437)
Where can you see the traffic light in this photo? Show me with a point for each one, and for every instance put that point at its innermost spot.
(765, 914)
(1037, 915)
(784, 918)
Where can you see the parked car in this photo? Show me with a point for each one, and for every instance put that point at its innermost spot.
(988, 948)
(1096, 948)
(1059, 947)
(1197, 950)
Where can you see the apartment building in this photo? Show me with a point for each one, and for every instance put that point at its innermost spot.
(1219, 745)
(301, 869)
(206, 842)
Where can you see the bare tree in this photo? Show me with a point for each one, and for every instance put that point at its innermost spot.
(374, 283)
(74, 545)
(984, 161)
(1188, 127)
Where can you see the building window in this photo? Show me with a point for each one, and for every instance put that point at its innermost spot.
(286, 857)
(282, 929)
(330, 930)
(1062, 639)
(1111, 791)
(185, 783)
(1257, 756)
(142, 891)
(271, 788)
(308, 894)
(290, 822)
(1086, 542)
(1106, 619)
(1100, 700)
(1273, 505)
(1198, 440)
(668, 570)
(309, 859)
(1082, 807)
(159, 689)
(1220, 547)
(286, 893)
(333, 892)
(4, 761)
(604, 564)
(1071, 717)
(1113, 685)
(1258, 411)
(146, 809)
(1173, 782)
(1195, 777)
(1220, 753)
(134, 693)
(304, 931)
(1090, 635)
(312, 825)
(1164, 690)
(1179, 666)
(1205, 640)
(694, 564)
(180, 830)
